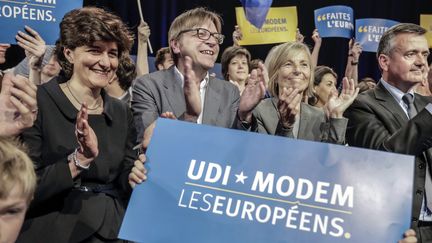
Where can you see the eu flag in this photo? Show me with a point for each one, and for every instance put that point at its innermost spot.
(256, 11)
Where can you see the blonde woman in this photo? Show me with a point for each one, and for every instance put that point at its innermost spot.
(290, 72)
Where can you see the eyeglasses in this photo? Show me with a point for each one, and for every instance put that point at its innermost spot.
(204, 34)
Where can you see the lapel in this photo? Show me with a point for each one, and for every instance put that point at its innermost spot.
(66, 107)
(174, 91)
(386, 100)
(304, 120)
(420, 102)
(212, 101)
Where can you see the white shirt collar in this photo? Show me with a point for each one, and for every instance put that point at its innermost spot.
(202, 84)
(397, 94)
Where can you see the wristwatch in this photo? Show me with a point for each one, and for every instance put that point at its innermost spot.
(73, 157)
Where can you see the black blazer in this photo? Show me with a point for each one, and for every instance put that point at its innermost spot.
(58, 213)
(376, 121)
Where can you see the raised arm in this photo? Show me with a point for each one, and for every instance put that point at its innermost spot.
(142, 55)
(317, 46)
(351, 70)
(35, 48)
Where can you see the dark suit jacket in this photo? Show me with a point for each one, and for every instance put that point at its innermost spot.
(313, 123)
(376, 121)
(58, 213)
(161, 91)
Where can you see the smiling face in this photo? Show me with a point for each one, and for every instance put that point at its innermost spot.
(295, 73)
(238, 69)
(202, 52)
(406, 65)
(3, 48)
(12, 212)
(94, 65)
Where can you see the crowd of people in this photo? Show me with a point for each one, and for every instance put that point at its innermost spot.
(81, 106)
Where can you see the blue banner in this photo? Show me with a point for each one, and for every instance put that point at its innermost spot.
(256, 11)
(369, 32)
(209, 184)
(43, 16)
(335, 21)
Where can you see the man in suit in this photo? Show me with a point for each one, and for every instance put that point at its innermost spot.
(186, 90)
(383, 118)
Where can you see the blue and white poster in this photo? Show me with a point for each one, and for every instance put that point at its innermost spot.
(43, 16)
(369, 32)
(335, 21)
(212, 185)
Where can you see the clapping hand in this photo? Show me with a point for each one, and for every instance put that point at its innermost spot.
(191, 92)
(336, 105)
(34, 46)
(289, 106)
(86, 137)
(18, 106)
(253, 93)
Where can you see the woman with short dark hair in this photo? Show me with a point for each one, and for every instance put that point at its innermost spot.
(235, 62)
(82, 140)
(324, 86)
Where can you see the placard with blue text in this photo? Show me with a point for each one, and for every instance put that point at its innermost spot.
(43, 16)
(369, 32)
(209, 184)
(335, 21)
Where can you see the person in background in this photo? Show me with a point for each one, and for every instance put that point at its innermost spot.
(351, 69)
(424, 88)
(17, 185)
(23, 68)
(237, 35)
(324, 86)
(50, 70)
(119, 86)
(163, 59)
(366, 84)
(82, 140)
(235, 62)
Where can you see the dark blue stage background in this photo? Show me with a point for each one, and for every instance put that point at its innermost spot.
(159, 14)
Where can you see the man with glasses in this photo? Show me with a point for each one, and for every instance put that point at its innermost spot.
(186, 91)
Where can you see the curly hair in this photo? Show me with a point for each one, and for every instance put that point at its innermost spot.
(126, 72)
(84, 26)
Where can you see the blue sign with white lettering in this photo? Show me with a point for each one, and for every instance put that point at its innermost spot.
(369, 32)
(335, 21)
(43, 16)
(209, 184)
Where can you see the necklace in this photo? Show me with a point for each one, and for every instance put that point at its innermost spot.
(77, 100)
